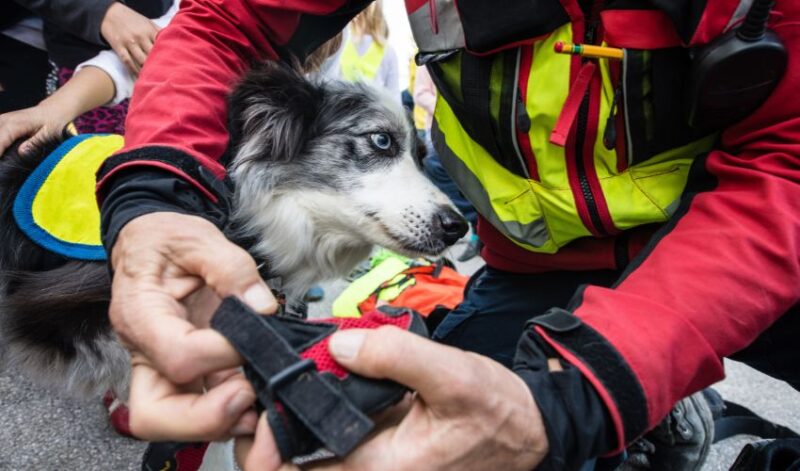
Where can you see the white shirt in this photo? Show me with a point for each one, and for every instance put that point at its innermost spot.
(111, 64)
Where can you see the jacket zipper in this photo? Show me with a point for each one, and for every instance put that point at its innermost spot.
(519, 114)
(580, 138)
(516, 125)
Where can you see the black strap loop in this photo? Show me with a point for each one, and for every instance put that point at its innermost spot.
(277, 372)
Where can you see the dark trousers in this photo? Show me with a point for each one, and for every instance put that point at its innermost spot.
(23, 73)
(497, 304)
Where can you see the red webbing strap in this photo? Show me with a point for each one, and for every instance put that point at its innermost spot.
(573, 103)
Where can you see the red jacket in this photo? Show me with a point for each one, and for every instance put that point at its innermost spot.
(677, 311)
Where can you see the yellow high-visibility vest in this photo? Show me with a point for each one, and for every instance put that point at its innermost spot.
(479, 113)
(360, 68)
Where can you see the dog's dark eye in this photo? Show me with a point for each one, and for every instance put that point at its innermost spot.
(381, 140)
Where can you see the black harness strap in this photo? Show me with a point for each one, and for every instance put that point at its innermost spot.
(278, 372)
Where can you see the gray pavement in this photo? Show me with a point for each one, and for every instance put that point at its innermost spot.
(40, 431)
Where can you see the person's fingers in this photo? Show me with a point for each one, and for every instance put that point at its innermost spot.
(246, 425)
(30, 144)
(178, 348)
(229, 270)
(198, 249)
(126, 59)
(147, 44)
(13, 129)
(160, 411)
(200, 305)
(138, 53)
(219, 377)
(388, 352)
(259, 452)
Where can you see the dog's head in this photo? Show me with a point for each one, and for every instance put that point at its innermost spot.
(331, 163)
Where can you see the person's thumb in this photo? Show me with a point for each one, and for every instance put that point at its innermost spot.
(402, 356)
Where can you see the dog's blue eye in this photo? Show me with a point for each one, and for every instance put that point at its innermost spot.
(381, 140)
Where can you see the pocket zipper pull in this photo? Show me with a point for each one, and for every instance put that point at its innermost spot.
(523, 120)
(610, 133)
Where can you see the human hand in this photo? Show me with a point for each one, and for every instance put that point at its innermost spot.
(469, 412)
(39, 124)
(171, 270)
(130, 34)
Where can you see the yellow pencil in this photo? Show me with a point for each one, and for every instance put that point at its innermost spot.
(586, 50)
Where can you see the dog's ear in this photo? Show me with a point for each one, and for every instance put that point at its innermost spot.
(272, 113)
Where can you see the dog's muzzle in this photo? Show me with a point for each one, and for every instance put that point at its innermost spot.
(448, 225)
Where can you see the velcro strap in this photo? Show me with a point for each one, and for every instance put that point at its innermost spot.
(277, 372)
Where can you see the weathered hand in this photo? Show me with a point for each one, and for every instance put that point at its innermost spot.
(38, 124)
(171, 270)
(469, 413)
(129, 34)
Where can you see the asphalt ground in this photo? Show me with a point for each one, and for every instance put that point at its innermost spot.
(44, 432)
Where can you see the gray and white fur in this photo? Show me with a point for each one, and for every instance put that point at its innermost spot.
(322, 171)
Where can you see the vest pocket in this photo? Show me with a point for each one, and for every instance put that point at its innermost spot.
(654, 90)
(481, 92)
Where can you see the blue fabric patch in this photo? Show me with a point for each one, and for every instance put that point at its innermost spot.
(23, 209)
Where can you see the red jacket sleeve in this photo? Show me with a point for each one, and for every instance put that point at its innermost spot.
(177, 116)
(721, 272)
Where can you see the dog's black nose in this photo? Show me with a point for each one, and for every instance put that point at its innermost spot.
(449, 225)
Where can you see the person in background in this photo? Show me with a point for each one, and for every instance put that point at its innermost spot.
(367, 57)
(103, 80)
(67, 51)
(424, 104)
(24, 63)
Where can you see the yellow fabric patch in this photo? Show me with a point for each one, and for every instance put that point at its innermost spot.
(56, 206)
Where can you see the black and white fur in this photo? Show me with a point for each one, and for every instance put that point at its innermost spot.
(322, 172)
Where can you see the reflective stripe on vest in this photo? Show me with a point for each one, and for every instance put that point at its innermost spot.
(360, 68)
(542, 213)
(346, 305)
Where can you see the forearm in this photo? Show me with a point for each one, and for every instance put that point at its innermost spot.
(109, 63)
(79, 17)
(89, 88)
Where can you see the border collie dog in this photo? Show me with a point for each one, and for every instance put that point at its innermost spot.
(321, 172)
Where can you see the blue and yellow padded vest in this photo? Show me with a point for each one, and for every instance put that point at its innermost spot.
(56, 206)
